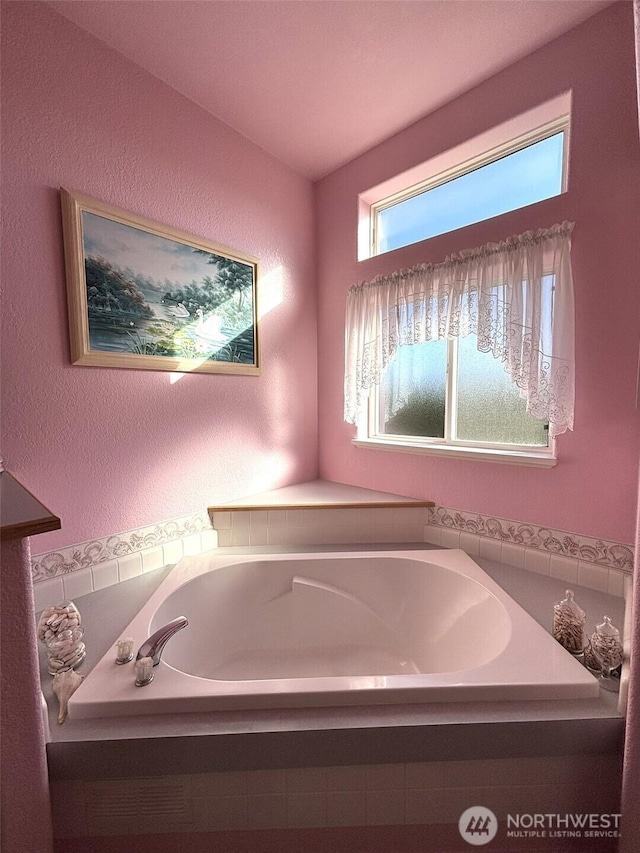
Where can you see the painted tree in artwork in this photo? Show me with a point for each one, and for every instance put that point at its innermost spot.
(226, 292)
(234, 278)
(110, 291)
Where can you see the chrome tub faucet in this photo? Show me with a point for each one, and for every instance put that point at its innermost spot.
(152, 648)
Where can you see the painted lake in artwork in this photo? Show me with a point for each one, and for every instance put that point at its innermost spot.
(150, 295)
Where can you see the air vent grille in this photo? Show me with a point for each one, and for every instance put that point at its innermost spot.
(138, 798)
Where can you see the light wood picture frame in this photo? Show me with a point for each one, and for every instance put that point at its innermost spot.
(145, 296)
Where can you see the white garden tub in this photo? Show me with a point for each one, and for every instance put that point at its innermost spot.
(304, 630)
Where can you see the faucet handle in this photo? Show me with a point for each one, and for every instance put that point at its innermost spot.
(144, 671)
(124, 648)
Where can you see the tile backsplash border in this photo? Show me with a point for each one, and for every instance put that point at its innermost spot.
(95, 552)
(100, 562)
(613, 555)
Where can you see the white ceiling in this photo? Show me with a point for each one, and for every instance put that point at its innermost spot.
(318, 82)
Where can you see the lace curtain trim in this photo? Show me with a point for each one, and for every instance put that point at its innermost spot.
(516, 296)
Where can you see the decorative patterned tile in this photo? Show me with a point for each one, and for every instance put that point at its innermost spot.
(514, 543)
(96, 551)
(614, 555)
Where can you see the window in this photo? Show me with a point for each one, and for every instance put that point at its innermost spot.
(531, 173)
(449, 393)
(517, 163)
(471, 356)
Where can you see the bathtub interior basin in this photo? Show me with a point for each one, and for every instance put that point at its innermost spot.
(295, 630)
(340, 617)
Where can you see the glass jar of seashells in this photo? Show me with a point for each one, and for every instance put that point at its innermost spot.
(568, 624)
(606, 648)
(60, 630)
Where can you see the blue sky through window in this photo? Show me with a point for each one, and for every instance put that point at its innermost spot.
(524, 177)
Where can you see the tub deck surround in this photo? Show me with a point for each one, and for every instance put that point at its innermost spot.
(320, 512)
(305, 630)
(319, 494)
(118, 747)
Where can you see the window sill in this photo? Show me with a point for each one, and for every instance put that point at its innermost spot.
(507, 457)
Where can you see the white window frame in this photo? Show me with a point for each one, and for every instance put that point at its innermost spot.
(559, 125)
(512, 135)
(368, 434)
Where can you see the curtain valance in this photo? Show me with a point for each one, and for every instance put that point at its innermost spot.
(516, 296)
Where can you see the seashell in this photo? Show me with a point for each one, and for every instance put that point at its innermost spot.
(65, 683)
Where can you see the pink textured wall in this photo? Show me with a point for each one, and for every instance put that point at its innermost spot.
(24, 789)
(109, 449)
(593, 488)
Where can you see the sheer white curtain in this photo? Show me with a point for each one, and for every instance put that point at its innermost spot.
(516, 296)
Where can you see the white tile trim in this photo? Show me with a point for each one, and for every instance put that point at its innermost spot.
(154, 546)
(423, 793)
(587, 549)
(516, 543)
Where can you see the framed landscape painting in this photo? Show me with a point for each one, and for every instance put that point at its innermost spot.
(144, 295)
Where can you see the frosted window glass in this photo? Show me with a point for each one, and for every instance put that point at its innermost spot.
(414, 388)
(489, 406)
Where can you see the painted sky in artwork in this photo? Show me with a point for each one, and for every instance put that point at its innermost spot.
(148, 254)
